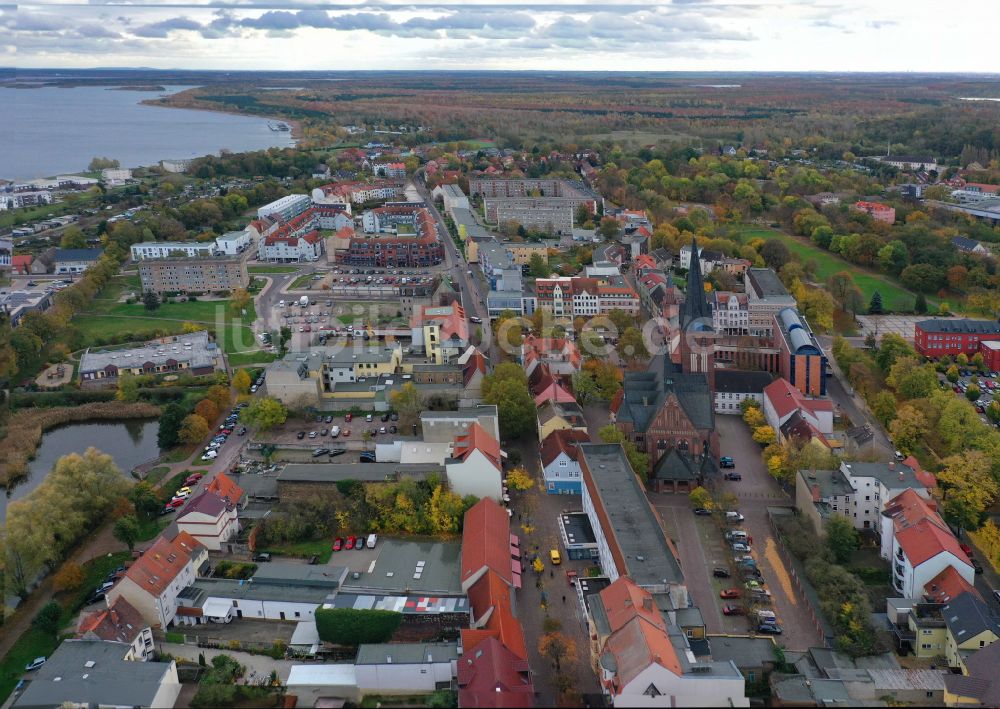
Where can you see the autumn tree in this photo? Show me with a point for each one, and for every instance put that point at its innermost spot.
(242, 381)
(193, 430)
(909, 428)
(883, 406)
(126, 530)
(239, 299)
(519, 479)
(70, 576)
(408, 403)
(445, 511)
(265, 413)
(700, 498)
(969, 488)
(128, 388)
(220, 395)
(207, 409)
(764, 435)
(753, 416)
(558, 648)
(841, 538)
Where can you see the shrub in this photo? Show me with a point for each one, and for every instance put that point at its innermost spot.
(48, 617)
(346, 626)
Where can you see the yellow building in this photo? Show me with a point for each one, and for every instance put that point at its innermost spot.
(930, 636)
(970, 627)
(522, 252)
(557, 417)
(979, 683)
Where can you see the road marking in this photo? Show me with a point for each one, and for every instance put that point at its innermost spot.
(772, 556)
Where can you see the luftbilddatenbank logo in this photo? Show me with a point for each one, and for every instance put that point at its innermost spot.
(699, 336)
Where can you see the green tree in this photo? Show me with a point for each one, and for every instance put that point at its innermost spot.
(48, 618)
(538, 266)
(993, 412)
(891, 348)
(128, 388)
(775, 253)
(73, 238)
(145, 499)
(193, 430)
(97, 164)
(126, 530)
(507, 388)
(170, 426)
(265, 413)
(841, 538)
(150, 300)
(242, 381)
(875, 304)
(764, 435)
(585, 387)
(638, 461)
(883, 406)
(621, 320)
(973, 392)
(631, 346)
(408, 403)
(609, 228)
(911, 379)
(952, 374)
(920, 304)
(909, 428)
(962, 360)
(347, 626)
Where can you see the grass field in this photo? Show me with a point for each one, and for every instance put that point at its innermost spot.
(320, 547)
(239, 359)
(112, 318)
(894, 296)
(272, 268)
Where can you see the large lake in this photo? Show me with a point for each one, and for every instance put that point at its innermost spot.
(128, 442)
(53, 131)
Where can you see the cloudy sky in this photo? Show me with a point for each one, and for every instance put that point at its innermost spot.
(681, 35)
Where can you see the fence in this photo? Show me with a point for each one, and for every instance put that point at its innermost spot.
(807, 594)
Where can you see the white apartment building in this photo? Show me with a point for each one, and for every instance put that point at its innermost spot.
(285, 208)
(166, 249)
(730, 313)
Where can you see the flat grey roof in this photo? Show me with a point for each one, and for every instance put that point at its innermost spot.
(364, 472)
(201, 353)
(744, 651)
(282, 573)
(648, 557)
(110, 681)
(398, 568)
(201, 589)
(406, 653)
(766, 284)
(577, 528)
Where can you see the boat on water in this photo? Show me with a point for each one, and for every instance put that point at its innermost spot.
(278, 126)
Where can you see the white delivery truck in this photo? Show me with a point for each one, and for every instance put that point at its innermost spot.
(304, 301)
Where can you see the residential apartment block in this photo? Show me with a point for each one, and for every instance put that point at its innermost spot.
(953, 336)
(207, 274)
(545, 204)
(878, 212)
(421, 248)
(285, 208)
(576, 296)
(348, 193)
(766, 297)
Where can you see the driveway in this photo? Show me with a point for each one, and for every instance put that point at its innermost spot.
(756, 492)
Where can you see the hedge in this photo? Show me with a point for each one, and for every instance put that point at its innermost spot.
(346, 626)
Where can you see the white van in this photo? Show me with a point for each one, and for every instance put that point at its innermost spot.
(335, 431)
(372, 539)
(732, 516)
(281, 304)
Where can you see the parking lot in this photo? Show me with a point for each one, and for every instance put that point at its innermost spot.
(989, 386)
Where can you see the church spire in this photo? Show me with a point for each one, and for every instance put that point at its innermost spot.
(696, 305)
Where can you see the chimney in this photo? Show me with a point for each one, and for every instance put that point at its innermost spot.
(901, 476)
(647, 603)
(815, 493)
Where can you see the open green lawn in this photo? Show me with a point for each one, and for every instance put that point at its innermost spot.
(303, 281)
(894, 296)
(239, 359)
(272, 268)
(119, 319)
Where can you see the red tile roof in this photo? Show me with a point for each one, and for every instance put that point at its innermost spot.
(556, 392)
(624, 600)
(160, 564)
(477, 439)
(925, 540)
(223, 486)
(476, 363)
(947, 585)
(928, 479)
(562, 441)
(486, 541)
(492, 676)
(785, 399)
(490, 598)
(119, 623)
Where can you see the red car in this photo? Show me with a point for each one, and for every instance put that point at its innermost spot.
(338, 544)
(346, 432)
(195, 477)
(348, 417)
(193, 480)
(350, 542)
(176, 502)
(730, 593)
(966, 548)
(733, 610)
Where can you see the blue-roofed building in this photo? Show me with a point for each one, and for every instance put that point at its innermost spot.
(800, 358)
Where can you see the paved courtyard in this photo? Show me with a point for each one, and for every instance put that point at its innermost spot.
(881, 324)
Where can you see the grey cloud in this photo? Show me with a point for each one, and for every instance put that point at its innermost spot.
(159, 30)
(96, 32)
(273, 20)
(473, 20)
(24, 22)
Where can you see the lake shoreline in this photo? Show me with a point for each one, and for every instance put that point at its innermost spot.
(26, 428)
(296, 132)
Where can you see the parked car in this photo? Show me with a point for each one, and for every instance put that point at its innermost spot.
(726, 462)
(350, 542)
(181, 495)
(394, 416)
(338, 544)
(732, 516)
(210, 455)
(35, 664)
(740, 547)
(337, 451)
(175, 502)
(730, 593)
(966, 548)
(348, 417)
(300, 435)
(367, 456)
(324, 432)
(262, 556)
(702, 511)
(554, 557)
(769, 628)
(167, 510)
(733, 610)
(369, 418)
(313, 434)
(320, 451)
(733, 476)
(720, 572)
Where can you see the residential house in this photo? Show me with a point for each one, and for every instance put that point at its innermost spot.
(877, 211)
(73, 261)
(979, 683)
(553, 416)
(211, 520)
(474, 369)
(440, 332)
(20, 264)
(153, 583)
(223, 486)
(730, 313)
(119, 623)
(97, 673)
(643, 661)
(546, 387)
(490, 675)
(561, 463)
(476, 467)
(971, 626)
(793, 416)
(733, 387)
(560, 354)
(969, 246)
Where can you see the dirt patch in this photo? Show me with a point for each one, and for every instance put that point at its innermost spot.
(774, 558)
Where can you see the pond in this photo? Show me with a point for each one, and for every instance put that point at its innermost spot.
(129, 442)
